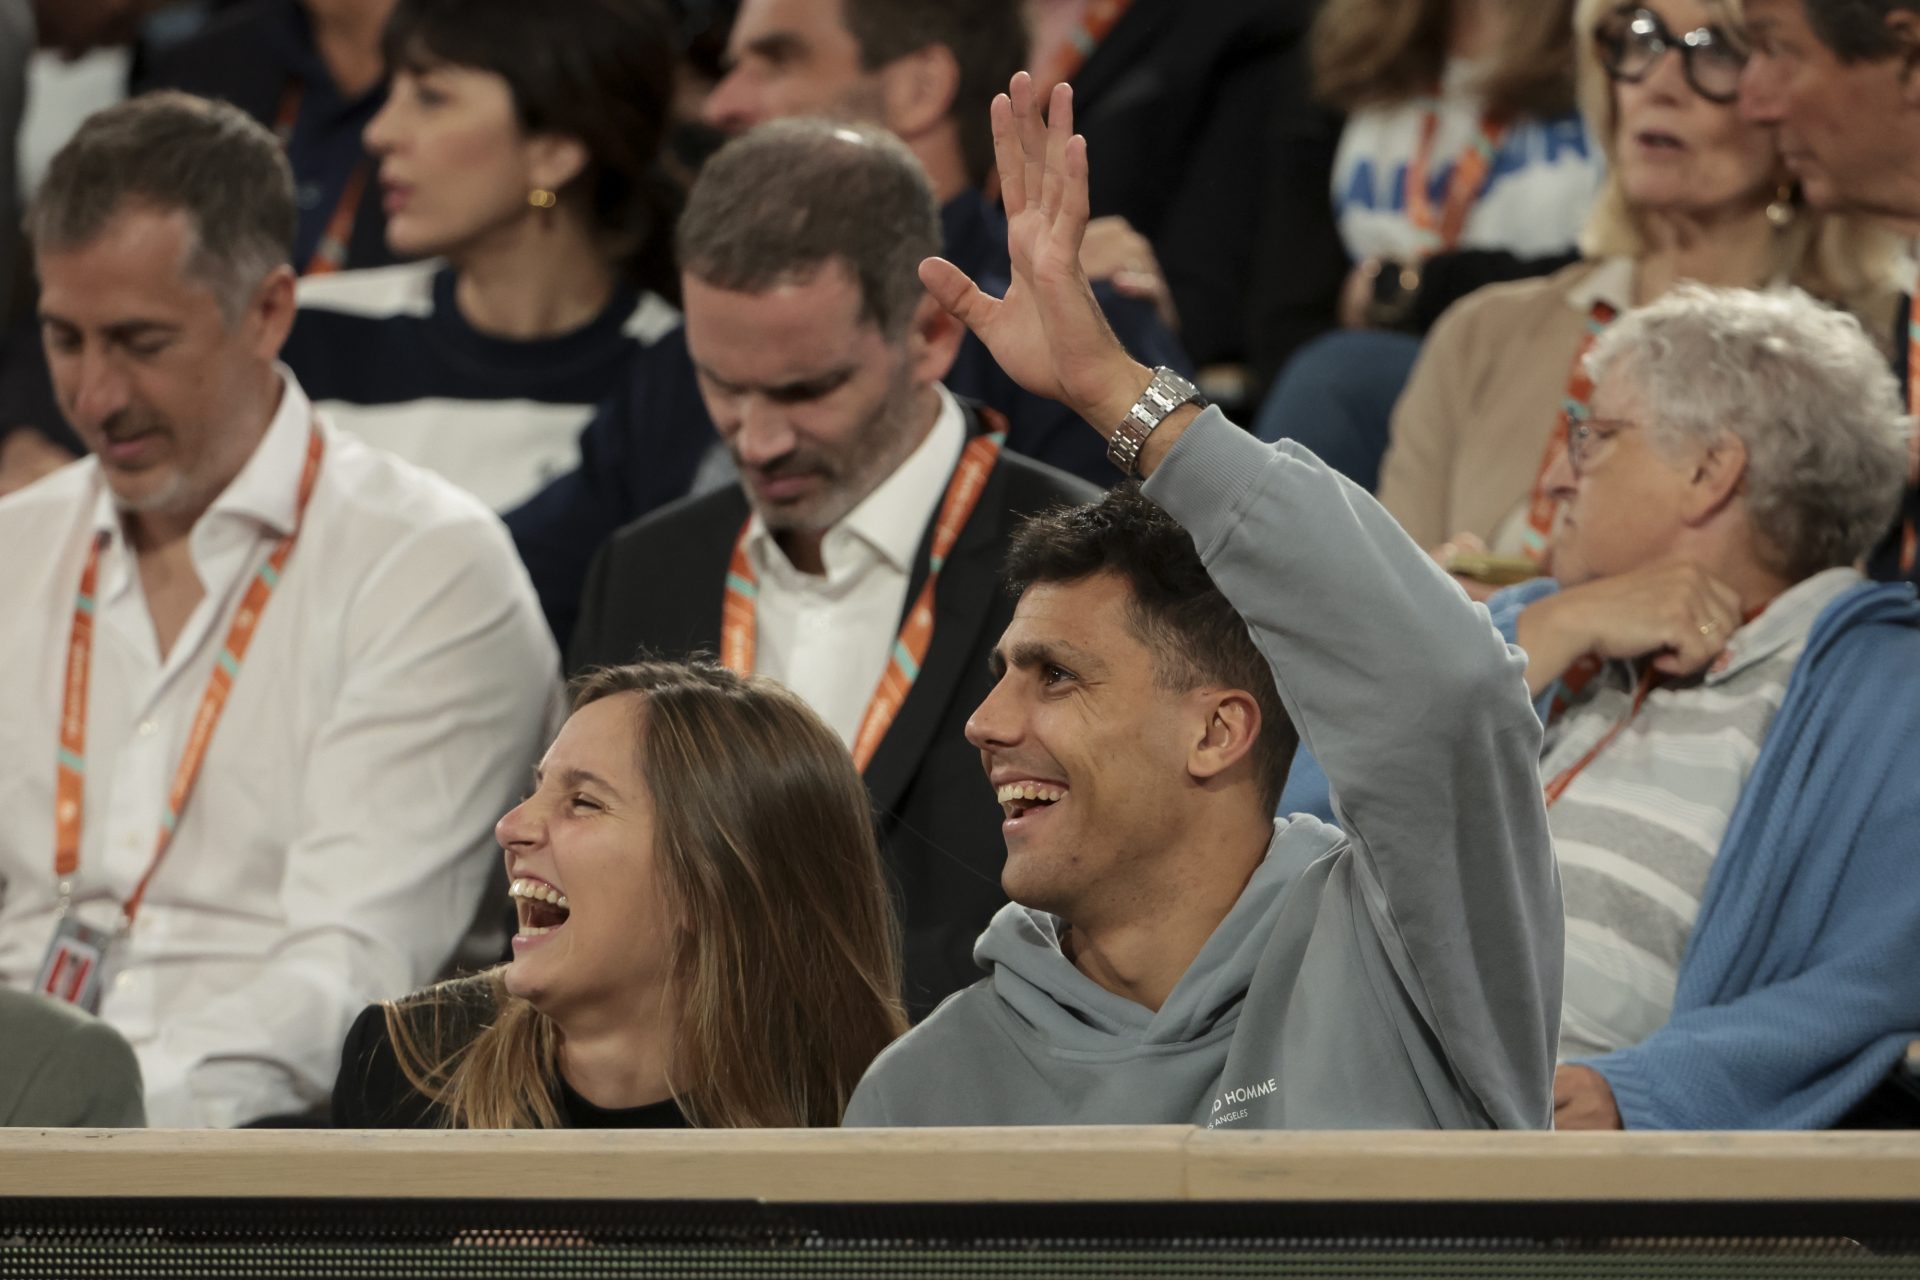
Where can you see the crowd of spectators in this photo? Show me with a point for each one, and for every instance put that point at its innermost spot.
(1280, 563)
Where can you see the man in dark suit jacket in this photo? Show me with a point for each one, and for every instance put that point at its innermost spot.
(859, 554)
(925, 70)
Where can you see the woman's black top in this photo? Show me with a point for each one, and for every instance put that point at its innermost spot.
(373, 1093)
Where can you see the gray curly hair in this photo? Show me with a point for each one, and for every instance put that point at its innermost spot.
(1804, 389)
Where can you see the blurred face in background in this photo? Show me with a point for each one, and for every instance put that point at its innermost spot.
(788, 58)
(1847, 130)
(456, 168)
(1680, 143)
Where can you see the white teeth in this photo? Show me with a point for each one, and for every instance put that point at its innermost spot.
(531, 932)
(534, 891)
(1029, 791)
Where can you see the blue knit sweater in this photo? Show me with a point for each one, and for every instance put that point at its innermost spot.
(1800, 985)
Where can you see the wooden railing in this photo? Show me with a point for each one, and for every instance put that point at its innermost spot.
(947, 1165)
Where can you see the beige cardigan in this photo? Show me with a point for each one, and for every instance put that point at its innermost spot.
(1470, 430)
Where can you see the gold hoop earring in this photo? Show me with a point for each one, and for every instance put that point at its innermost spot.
(1783, 210)
(541, 198)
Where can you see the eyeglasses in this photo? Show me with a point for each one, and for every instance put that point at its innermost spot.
(1631, 41)
(1588, 437)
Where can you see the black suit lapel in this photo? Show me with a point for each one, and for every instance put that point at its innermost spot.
(963, 601)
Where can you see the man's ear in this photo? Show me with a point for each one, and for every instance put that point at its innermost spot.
(271, 313)
(918, 90)
(933, 341)
(1232, 723)
(1717, 478)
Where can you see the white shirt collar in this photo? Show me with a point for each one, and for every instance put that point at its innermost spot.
(891, 521)
(1611, 282)
(267, 490)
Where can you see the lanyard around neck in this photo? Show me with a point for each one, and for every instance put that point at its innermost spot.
(1577, 407)
(739, 608)
(1101, 17)
(1465, 185)
(330, 254)
(70, 766)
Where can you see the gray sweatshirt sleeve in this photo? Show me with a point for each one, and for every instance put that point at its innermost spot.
(1418, 712)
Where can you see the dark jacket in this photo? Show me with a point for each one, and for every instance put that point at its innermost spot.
(657, 587)
(372, 1092)
(1183, 107)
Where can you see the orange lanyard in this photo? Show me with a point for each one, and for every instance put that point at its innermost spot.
(1464, 184)
(1558, 787)
(737, 611)
(1064, 63)
(1577, 407)
(1577, 677)
(330, 254)
(71, 760)
(1909, 538)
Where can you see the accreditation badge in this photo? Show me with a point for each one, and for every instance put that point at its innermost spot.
(73, 970)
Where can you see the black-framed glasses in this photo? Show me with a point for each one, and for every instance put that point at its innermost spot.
(1631, 40)
(1586, 437)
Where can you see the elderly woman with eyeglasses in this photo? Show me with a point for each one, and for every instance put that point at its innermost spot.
(1693, 193)
(1732, 724)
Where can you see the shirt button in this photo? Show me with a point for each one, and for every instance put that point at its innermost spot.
(122, 981)
(148, 728)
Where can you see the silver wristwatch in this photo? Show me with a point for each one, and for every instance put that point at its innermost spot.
(1167, 392)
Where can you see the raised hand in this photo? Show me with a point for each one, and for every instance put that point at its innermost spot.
(1047, 332)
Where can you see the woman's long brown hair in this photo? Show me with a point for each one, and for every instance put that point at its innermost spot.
(1369, 53)
(785, 972)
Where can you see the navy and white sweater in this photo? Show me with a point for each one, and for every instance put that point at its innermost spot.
(388, 356)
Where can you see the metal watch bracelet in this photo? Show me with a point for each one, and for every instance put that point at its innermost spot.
(1167, 392)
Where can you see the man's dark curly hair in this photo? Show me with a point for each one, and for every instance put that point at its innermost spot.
(1196, 637)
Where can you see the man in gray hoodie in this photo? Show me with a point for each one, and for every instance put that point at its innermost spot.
(1171, 953)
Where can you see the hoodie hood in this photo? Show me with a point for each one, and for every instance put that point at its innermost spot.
(1071, 1012)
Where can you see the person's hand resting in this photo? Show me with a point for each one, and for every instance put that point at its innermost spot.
(1047, 332)
(1677, 612)
(1582, 1099)
(1114, 252)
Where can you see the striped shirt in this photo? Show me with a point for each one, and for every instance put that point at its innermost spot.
(1639, 828)
(388, 356)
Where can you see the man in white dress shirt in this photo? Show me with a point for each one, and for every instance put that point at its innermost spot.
(263, 690)
(857, 561)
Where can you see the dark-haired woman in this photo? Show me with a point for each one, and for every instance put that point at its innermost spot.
(704, 939)
(518, 157)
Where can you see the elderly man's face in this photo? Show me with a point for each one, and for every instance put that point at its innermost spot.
(788, 58)
(1621, 495)
(146, 366)
(1846, 130)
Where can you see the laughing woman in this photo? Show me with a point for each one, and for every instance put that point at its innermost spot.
(705, 938)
